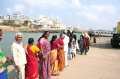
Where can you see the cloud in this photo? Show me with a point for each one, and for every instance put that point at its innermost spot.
(76, 3)
(19, 7)
(9, 10)
(31, 11)
(46, 3)
(91, 17)
(104, 8)
(54, 3)
(69, 13)
(16, 8)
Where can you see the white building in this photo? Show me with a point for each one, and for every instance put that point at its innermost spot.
(18, 17)
(44, 22)
(56, 23)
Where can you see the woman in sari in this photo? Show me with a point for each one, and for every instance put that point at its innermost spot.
(44, 46)
(61, 55)
(53, 56)
(31, 68)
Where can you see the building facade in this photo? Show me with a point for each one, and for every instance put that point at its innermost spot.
(18, 18)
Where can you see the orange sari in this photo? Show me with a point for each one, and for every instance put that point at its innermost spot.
(61, 55)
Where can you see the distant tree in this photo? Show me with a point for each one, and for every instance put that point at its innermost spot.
(25, 23)
(34, 21)
(8, 22)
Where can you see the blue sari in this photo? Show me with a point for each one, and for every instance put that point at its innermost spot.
(3, 75)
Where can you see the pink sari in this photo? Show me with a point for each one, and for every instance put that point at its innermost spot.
(45, 64)
(31, 68)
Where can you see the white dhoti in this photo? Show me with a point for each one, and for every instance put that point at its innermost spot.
(66, 58)
(22, 72)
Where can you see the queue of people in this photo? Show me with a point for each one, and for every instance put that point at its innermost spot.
(48, 57)
(84, 43)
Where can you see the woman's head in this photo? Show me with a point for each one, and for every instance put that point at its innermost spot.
(30, 41)
(54, 38)
(45, 35)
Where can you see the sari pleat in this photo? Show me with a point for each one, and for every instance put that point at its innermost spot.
(61, 58)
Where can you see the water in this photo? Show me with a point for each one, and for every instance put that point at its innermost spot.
(8, 39)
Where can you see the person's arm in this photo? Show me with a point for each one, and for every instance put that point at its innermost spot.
(61, 46)
(15, 57)
(41, 50)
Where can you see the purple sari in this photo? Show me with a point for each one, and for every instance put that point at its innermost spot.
(45, 64)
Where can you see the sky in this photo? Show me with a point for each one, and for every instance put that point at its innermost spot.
(87, 14)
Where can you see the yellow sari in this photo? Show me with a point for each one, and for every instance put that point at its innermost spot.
(54, 63)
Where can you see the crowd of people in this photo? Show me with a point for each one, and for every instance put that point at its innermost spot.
(46, 58)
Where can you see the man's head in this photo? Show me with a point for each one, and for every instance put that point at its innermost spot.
(18, 37)
(65, 32)
(0, 34)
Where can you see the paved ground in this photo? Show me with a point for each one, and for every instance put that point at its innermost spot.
(101, 62)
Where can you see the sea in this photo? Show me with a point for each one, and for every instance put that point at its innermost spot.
(9, 37)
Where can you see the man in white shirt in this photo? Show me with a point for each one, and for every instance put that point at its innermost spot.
(19, 55)
(66, 41)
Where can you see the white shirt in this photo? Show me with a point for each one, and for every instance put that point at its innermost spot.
(66, 41)
(19, 55)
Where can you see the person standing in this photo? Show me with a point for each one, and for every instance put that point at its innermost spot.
(94, 39)
(66, 41)
(19, 55)
(54, 56)
(45, 47)
(81, 43)
(84, 47)
(31, 68)
(3, 71)
(87, 38)
(61, 54)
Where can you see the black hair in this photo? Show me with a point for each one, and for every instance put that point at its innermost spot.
(83, 37)
(53, 38)
(75, 37)
(30, 40)
(61, 35)
(43, 35)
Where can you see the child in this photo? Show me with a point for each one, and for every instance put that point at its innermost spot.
(73, 49)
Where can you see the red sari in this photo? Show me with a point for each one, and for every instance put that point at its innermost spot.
(31, 68)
